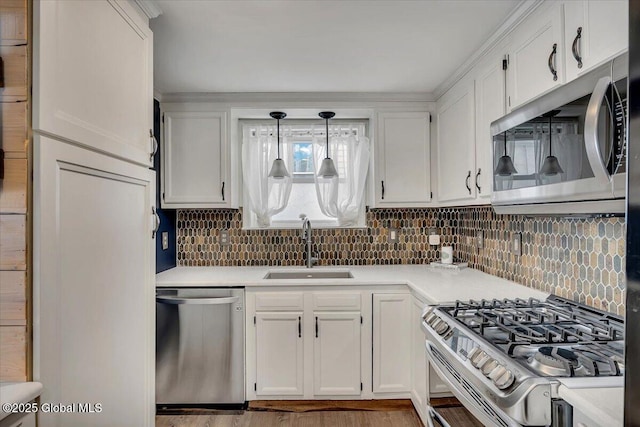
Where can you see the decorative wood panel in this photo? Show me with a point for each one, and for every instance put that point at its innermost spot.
(13, 188)
(13, 347)
(13, 301)
(13, 126)
(14, 60)
(12, 242)
(13, 22)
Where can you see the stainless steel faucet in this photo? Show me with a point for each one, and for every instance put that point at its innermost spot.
(306, 238)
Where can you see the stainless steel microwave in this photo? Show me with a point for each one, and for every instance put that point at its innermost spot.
(565, 152)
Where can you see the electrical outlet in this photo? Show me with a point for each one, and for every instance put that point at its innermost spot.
(165, 240)
(393, 235)
(479, 239)
(516, 244)
(224, 238)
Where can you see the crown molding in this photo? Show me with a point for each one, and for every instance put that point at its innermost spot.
(305, 97)
(523, 10)
(149, 7)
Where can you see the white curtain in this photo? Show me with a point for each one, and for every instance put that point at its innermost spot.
(342, 197)
(266, 196)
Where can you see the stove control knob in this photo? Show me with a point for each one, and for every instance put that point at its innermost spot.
(489, 366)
(479, 359)
(431, 318)
(427, 311)
(497, 373)
(442, 327)
(505, 380)
(472, 352)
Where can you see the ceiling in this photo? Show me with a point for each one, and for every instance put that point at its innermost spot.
(317, 46)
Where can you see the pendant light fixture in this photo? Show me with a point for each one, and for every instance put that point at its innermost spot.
(328, 168)
(279, 169)
(505, 164)
(551, 166)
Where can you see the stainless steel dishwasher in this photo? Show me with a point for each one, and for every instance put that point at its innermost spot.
(200, 347)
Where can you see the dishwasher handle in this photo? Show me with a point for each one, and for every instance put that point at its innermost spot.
(200, 301)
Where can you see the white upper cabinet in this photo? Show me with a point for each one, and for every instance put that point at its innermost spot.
(595, 31)
(536, 55)
(490, 106)
(93, 81)
(456, 143)
(195, 160)
(336, 354)
(403, 174)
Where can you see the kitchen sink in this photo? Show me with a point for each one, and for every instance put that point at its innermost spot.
(320, 274)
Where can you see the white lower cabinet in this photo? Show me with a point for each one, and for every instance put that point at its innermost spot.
(318, 343)
(392, 343)
(305, 345)
(336, 354)
(279, 354)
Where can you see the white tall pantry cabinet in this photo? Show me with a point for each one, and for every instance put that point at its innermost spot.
(93, 212)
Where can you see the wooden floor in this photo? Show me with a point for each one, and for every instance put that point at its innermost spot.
(318, 414)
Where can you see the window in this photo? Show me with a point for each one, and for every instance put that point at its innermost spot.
(297, 141)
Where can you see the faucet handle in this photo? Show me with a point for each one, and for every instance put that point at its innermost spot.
(314, 260)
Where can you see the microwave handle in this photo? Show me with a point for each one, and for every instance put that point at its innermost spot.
(591, 131)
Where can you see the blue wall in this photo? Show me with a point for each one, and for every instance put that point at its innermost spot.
(165, 259)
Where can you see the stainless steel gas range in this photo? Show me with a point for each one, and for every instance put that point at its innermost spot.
(505, 359)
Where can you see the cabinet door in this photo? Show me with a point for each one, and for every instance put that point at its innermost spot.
(403, 152)
(456, 142)
(93, 81)
(279, 354)
(490, 106)
(195, 150)
(531, 55)
(391, 343)
(94, 285)
(603, 26)
(336, 354)
(418, 360)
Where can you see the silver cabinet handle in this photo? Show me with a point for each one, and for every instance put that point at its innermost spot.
(154, 144)
(157, 219)
(591, 130)
(552, 60)
(478, 176)
(466, 182)
(575, 47)
(196, 301)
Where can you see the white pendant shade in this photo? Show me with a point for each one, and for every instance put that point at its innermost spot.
(279, 170)
(328, 169)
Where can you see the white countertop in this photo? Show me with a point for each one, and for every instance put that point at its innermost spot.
(603, 406)
(18, 392)
(435, 285)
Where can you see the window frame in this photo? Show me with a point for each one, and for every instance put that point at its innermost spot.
(248, 217)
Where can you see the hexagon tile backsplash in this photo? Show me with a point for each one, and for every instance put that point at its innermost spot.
(579, 259)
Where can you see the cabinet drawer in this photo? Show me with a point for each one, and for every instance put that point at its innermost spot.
(336, 301)
(279, 301)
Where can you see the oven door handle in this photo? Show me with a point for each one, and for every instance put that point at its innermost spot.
(591, 123)
(461, 394)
